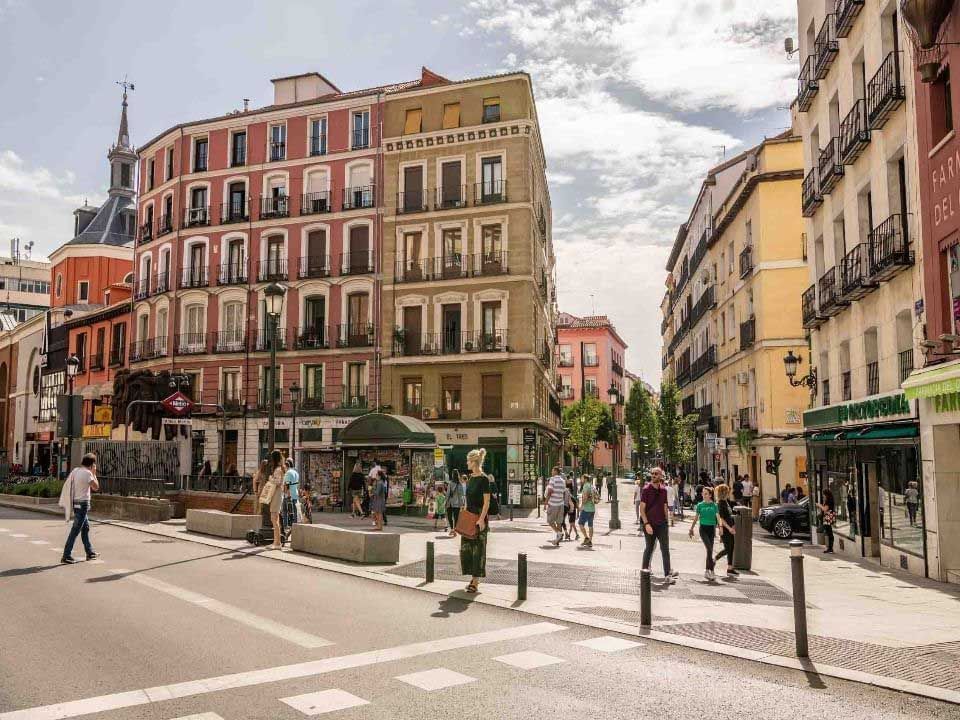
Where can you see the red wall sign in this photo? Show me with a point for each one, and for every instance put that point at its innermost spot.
(177, 404)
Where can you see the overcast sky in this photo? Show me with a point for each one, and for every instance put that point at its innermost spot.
(636, 100)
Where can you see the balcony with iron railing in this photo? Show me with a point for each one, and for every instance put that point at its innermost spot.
(489, 192)
(703, 364)
(142, 289)
(232, 273)
(360, 138)
(194, 343)
(811, 196)
(229, 341)
(889, 248)
(355, 198)
(314, 266)
(746, 262)
(165, 226)
(194, 276)
(148, 349)
(699, 253)
(96, 361)
(855, 281)
(854, 133)
(810, 314)
(196, 216)
(118, 356)
(409, 344)
(146, 232)
(316, 203)
(747, 418)
(846, 388)
(885, 92)
(313, 337)
(412, 201)
(234, 211)
(354, 397)
(230, 400)
(313, 398)
(873, 378)
(272, 270)
(276, 206)
(830, 169)
(616, 368)
(905, 364)
(458, 266)
(355, 335)
(357, 263)
(318, 145)
(706, 302)
(688, 406)
(748, 333)
(566, 392)
(161, 283)
(846, 12)
(829, 288)
(278, 151)
(450, 196)
(826, 47)
(545, 356)
(808, 85)
(263, 397)
(264, 338)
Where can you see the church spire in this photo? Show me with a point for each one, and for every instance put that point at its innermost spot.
(122, 156)
(123, 137)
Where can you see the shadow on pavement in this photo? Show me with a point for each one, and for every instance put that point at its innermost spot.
(119, 576)
(17, 572)
(451, 605)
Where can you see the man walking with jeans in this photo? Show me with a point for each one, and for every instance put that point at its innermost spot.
(554, 500)
(653, 513)
(77, 487)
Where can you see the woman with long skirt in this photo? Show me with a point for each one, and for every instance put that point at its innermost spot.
(473, 551)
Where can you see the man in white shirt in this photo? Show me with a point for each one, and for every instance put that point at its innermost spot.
(78, 485)
(747, 490)
(553, 499)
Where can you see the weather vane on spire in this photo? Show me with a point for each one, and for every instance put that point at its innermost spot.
(126, 85)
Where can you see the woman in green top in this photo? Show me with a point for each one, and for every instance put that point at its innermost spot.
(706, 513)
(473, 552)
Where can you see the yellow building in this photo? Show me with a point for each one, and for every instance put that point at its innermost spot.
(733, 313)
(468, 299)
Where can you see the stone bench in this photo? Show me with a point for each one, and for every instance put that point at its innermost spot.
(221, 524)
(358, 546)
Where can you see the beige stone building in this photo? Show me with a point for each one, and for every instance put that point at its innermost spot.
(468, 299)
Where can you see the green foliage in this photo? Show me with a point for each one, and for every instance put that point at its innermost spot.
(640, 415)
(607, 431)
(47, 488)
(678, 439)
(744, 441)
(582, 421)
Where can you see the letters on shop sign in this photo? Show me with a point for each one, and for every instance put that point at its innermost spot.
(948, 172)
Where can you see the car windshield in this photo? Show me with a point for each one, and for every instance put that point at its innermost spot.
(630, 475)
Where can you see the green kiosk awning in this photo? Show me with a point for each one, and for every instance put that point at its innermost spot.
(853, 435)
(933, 381)
(382, 430)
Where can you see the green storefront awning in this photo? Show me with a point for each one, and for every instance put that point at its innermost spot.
(930, 382)
(887, 433)
(382, 430)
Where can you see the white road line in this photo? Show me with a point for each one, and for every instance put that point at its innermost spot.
(19, 535)
(609, 643)
(436, 679)
(529, 660)
(324, 701)
(134, 698)
(270, 627)
(201, 716)
(39, 542)
(4, 530)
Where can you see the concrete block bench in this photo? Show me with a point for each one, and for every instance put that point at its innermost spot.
(358, 546)
(221, 524)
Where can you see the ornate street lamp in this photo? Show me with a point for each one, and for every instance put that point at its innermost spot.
(273, 294)
(924, 21)
(791, 362)
(294, 401)
(73, 367)
(613, 395)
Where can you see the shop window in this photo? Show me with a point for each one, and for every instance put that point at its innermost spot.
(953, 266)
(413, 397)
(900, 499)
(941, 107)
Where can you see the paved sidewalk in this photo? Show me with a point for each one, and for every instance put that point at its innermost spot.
(866, 623)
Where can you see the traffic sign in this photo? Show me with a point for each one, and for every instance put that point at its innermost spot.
(177, 404)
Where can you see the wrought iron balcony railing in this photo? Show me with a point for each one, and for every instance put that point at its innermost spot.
(451, 196)
(854, 133)
(412, 201)
(232, 273)
(355, 335)
(846, 12)
(226, 341)
(316, 203)
(194, 276)
(829, 289)
(885, 92)
(272, 270)
(490, 191)
(358, 197)
(826, 46)
(314, 266)
(889, 248)
(808, 85)
(274, 207)
(196, 216)
(313, 337)
(234, 211)
(358, 263)
(830, 167)
(812, 199)
(855, 273)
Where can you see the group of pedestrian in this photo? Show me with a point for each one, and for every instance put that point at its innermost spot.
(791, 494)
(276, 484)
(716, 509)
(570, 507)
(368, 493)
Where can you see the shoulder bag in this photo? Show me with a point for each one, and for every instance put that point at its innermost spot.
(266, 495)
(467, 524)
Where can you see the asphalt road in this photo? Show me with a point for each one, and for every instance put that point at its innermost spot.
(164, 629)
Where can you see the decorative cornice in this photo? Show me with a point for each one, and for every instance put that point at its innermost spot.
(460, 136)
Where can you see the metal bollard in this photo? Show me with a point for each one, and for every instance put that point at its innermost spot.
(645, 615)
(429, 561)
(521, 576)
(799, 598)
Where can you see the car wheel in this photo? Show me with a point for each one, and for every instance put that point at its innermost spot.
(782, 529)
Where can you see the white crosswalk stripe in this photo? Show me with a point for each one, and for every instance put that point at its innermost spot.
(201, 716)
(529, 660)
(436, 679)
(39, 542)
(19, 535)
(608, 643)
(325, 701)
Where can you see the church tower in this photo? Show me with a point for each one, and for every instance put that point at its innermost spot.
(122, 157)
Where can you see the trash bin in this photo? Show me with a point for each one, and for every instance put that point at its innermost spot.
(743, 545)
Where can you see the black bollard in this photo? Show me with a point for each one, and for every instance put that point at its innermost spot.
(429, 561)
(799, 598)
(521, 576)
(645, 614)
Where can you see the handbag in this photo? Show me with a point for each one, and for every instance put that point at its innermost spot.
(266, 495)
(467, 524)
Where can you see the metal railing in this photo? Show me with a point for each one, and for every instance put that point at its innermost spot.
(96, 361)
(196, 216)
(565, 392)
(312, 337)
(264, 339)
(491, 191)
(146, 232)
(905, 363)
(873, 378)
(706, 361)
(855, 272)
(854, 133)
(707, 301)
(358, 197)
(360, 139)
(825, 393)
(808, 303)
(846, 12)
(747, 418)
(143, 289)
(447, 197)
(358, 263)
(234, 211)
(263, 397)
(889, 248)
(829, 288)
(278, 151)
(230, 484)
(811, 197)
(885, 91)
(314, 266)
(193, 277)
(407, 344)
(748, 333)
(274, 207)
(826, 46)
(272, 270)
(165, 226)
(192, 343)
(117, 356)
(229, 340)
(746, 261)
(232, 273)
(161, 282)
(412, 201)
(132, 487)
(230, 400)
(355, 335)
(353, 397)
(148, 349)
(830, 168)
(808, 85)
(316, 203)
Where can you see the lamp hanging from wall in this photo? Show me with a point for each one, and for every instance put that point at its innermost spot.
(925, 22)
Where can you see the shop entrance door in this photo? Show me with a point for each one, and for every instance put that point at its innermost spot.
(868, 509)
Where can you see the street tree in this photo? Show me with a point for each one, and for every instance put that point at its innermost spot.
(640, 414)
(678, 439)
(583, 421)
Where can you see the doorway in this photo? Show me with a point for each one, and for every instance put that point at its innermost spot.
(451, 328)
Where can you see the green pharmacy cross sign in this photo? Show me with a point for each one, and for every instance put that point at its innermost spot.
(879, 408)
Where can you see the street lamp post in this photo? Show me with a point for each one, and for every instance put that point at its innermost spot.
(273, 293)
(73, 367)
(613, 394)
(294, 401)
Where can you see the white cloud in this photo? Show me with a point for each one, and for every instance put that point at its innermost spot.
(560, 178)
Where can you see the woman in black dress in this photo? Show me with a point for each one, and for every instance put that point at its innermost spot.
(829, 510)
(355, 487)
(473, 552)
(727, 524)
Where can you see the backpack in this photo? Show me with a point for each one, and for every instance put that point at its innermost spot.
(494, 497)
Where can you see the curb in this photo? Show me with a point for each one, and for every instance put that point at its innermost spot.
(805, 666)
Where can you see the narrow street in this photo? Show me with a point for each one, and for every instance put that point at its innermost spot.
(165, 629)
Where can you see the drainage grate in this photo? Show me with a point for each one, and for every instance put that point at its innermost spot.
(630, 617)
(925, 664)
